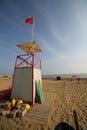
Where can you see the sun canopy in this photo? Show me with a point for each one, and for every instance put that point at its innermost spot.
(29, 47)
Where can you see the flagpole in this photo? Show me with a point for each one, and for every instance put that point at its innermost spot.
(33, 30)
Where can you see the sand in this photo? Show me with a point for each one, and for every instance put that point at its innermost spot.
(69, 96)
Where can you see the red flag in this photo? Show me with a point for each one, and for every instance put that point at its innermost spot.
(29, 20)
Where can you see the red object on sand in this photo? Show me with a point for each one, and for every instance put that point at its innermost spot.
(8, 108)
(5, 93)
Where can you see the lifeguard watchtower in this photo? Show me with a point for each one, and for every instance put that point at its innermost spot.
(27, 79)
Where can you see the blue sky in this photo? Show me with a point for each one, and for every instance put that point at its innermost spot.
(60, 29)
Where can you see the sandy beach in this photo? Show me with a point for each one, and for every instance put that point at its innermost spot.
(67, 97)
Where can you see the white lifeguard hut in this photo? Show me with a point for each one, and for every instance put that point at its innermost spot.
(27, 78)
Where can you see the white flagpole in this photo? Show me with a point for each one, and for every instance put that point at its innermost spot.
(33, 30)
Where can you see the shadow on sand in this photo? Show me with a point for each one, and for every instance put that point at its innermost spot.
(63, 126)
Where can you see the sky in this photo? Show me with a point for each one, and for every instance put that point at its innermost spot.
(60, 29)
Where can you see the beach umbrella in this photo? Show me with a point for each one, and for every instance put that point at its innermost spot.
(74, 76)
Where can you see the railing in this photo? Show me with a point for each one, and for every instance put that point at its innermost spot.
(26, 60)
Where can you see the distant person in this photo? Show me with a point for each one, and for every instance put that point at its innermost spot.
(78, 80)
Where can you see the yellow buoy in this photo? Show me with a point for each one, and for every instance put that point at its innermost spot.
(20, 101)
(18, 105)
(13, 102)
(27, 106)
